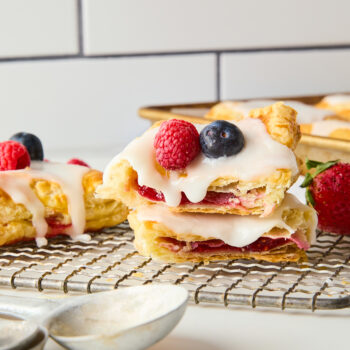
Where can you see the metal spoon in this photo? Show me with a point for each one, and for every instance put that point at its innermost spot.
(129, 318)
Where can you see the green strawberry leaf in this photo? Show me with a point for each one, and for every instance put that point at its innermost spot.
(312, 163)
(319, 168)
(324, 166)
(307, 181)
(309, 198)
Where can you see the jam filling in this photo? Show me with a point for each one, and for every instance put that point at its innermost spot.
(56, 228)
(263, 244)
(213, 198)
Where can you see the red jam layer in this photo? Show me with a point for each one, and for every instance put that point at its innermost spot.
(263, 244)
(217, 198)
(56, 228)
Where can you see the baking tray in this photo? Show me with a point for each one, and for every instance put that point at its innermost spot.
(310, 146)
(109, 261)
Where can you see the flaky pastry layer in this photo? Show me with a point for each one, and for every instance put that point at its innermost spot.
(149, 235)
(16, 219)
(279, 119)
(122, 185)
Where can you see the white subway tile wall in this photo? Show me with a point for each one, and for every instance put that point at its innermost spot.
(76, 71)
(94, 102)
(38, 28)
(266, 74)
(119, 26)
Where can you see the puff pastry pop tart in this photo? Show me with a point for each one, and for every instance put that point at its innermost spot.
(339, 104)
(339, 129)
(237, 110)
(178, 237)
(241, 168)
(39, 198)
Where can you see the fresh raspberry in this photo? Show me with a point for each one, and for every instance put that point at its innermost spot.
(77, 161)
(176, 144)
(13, 155)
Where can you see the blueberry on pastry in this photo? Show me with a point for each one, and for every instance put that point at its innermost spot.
(166, 236)
(241, 169)
(39, 199)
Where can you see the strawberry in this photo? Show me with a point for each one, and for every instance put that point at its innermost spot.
(328, 191)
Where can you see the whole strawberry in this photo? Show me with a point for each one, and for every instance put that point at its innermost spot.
(176, 144)
(328, 191)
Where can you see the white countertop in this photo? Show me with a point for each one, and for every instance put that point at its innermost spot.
(211, 328)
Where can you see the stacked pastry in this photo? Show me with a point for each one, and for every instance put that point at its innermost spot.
(329, 118)
(216, 191)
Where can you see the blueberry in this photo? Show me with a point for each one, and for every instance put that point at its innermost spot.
(32, 143)
(221, 138)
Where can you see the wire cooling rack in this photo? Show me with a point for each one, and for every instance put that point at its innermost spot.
(109, 261)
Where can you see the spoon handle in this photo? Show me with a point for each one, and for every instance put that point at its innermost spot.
(25, 307)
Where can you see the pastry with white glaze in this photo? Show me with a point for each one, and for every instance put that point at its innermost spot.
(339, 129)
(338, 103)
(51, 198)
(166, 236)
(254, 181)
(238, 110)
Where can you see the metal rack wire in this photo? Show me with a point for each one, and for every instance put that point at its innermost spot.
(109, 261)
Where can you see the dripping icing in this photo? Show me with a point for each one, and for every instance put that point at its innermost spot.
(260, 157)
(235, 230)
(17, 185)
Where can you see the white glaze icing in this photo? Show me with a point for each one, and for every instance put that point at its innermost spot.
(16, 184)
(337, 99)
(235, 230)
(260, 157)
(306, 113)
(326, 127)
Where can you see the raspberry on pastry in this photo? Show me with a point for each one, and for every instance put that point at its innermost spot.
(180, 237)
(242, 168)
(13, 156)
(176, 144)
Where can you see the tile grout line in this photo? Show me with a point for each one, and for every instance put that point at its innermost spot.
(173, 53)
(80, 27)
(218, 76)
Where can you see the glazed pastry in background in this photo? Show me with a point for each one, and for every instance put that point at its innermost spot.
(251, 180)
(284, 235)
(338, 103)
(239, 110)
(338, 129)
(39, 199)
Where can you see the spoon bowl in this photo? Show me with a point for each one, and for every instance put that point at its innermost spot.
(130, 318)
